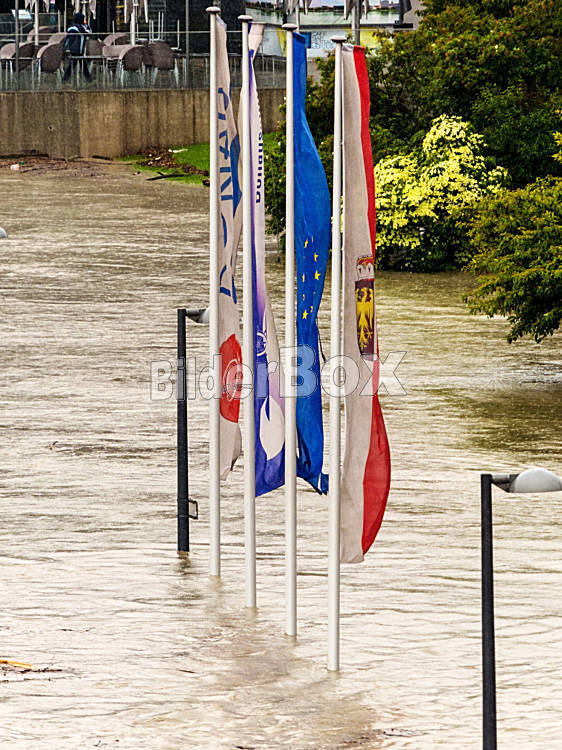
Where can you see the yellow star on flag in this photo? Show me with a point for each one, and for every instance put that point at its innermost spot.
(305, 315)
(306, 243)
(315, 257)
(316, 275)
(303, 277)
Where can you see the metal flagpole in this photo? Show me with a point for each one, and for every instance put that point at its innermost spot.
(247, 340)
(357, 22)
(290, 394)
(298, 16)
(335, 389)
(214, 402)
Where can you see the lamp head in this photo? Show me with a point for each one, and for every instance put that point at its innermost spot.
(198, 314)
(529, 481)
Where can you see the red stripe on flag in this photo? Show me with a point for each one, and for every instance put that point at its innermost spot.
(363, 80)
(376, 479)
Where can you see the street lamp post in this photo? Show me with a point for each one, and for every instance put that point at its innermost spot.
(186, 508)
(530, 481)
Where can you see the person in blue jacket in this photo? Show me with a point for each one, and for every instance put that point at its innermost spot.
(75, 43)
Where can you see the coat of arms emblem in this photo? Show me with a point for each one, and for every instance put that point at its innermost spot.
(365, 306)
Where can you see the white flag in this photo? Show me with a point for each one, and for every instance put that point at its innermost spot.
(230, 199)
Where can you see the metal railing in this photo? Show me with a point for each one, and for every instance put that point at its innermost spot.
(111, 62)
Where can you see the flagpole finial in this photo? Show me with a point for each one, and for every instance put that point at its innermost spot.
(213, 9)
(243, 18)
(289, 27)
(338, 39)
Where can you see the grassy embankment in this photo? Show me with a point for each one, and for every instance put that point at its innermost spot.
(189, 164)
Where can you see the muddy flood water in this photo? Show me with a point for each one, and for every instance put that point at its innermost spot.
(135, 647)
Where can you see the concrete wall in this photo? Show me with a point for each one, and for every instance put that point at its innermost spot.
(111, 123)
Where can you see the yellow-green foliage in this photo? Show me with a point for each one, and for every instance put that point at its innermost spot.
(558, 141)
(421, 197)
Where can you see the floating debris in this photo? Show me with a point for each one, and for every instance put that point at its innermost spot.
(16, 671)
(18, 666)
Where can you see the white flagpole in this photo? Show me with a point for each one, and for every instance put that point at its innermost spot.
(298, 16)
(335, 397)
(214, 402)
(290, 394)
(248, 332)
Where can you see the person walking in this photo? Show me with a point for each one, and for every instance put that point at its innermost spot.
(75, 44)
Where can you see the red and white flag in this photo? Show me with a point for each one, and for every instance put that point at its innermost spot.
(366, 466)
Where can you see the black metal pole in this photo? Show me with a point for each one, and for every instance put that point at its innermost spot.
(181, 396)
(488, 646)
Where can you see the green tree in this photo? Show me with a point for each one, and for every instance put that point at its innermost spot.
(518, 236)
(422, 198)
(274, 179)
(493, 63)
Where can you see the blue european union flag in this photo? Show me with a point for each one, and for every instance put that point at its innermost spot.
(312, 246)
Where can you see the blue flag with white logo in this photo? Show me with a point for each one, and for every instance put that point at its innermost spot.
(269, 405)
(312, 246)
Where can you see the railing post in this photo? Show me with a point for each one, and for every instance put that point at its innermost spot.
(17, 37)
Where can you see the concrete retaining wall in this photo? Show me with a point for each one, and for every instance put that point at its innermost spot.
(111, 123)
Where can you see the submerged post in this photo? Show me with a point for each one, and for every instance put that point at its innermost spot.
(290, 339)
(214, 302)
(247, 317)
(181, 396)
(335, 396)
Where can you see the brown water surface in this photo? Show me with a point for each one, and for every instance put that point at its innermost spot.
(141, 648)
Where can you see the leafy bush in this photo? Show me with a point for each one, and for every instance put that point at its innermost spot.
(422, 198)
(274, 177)
(275, 144)
(518, 236)
(495, 63)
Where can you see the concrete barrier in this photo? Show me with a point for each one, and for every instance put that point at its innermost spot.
(112, 123)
